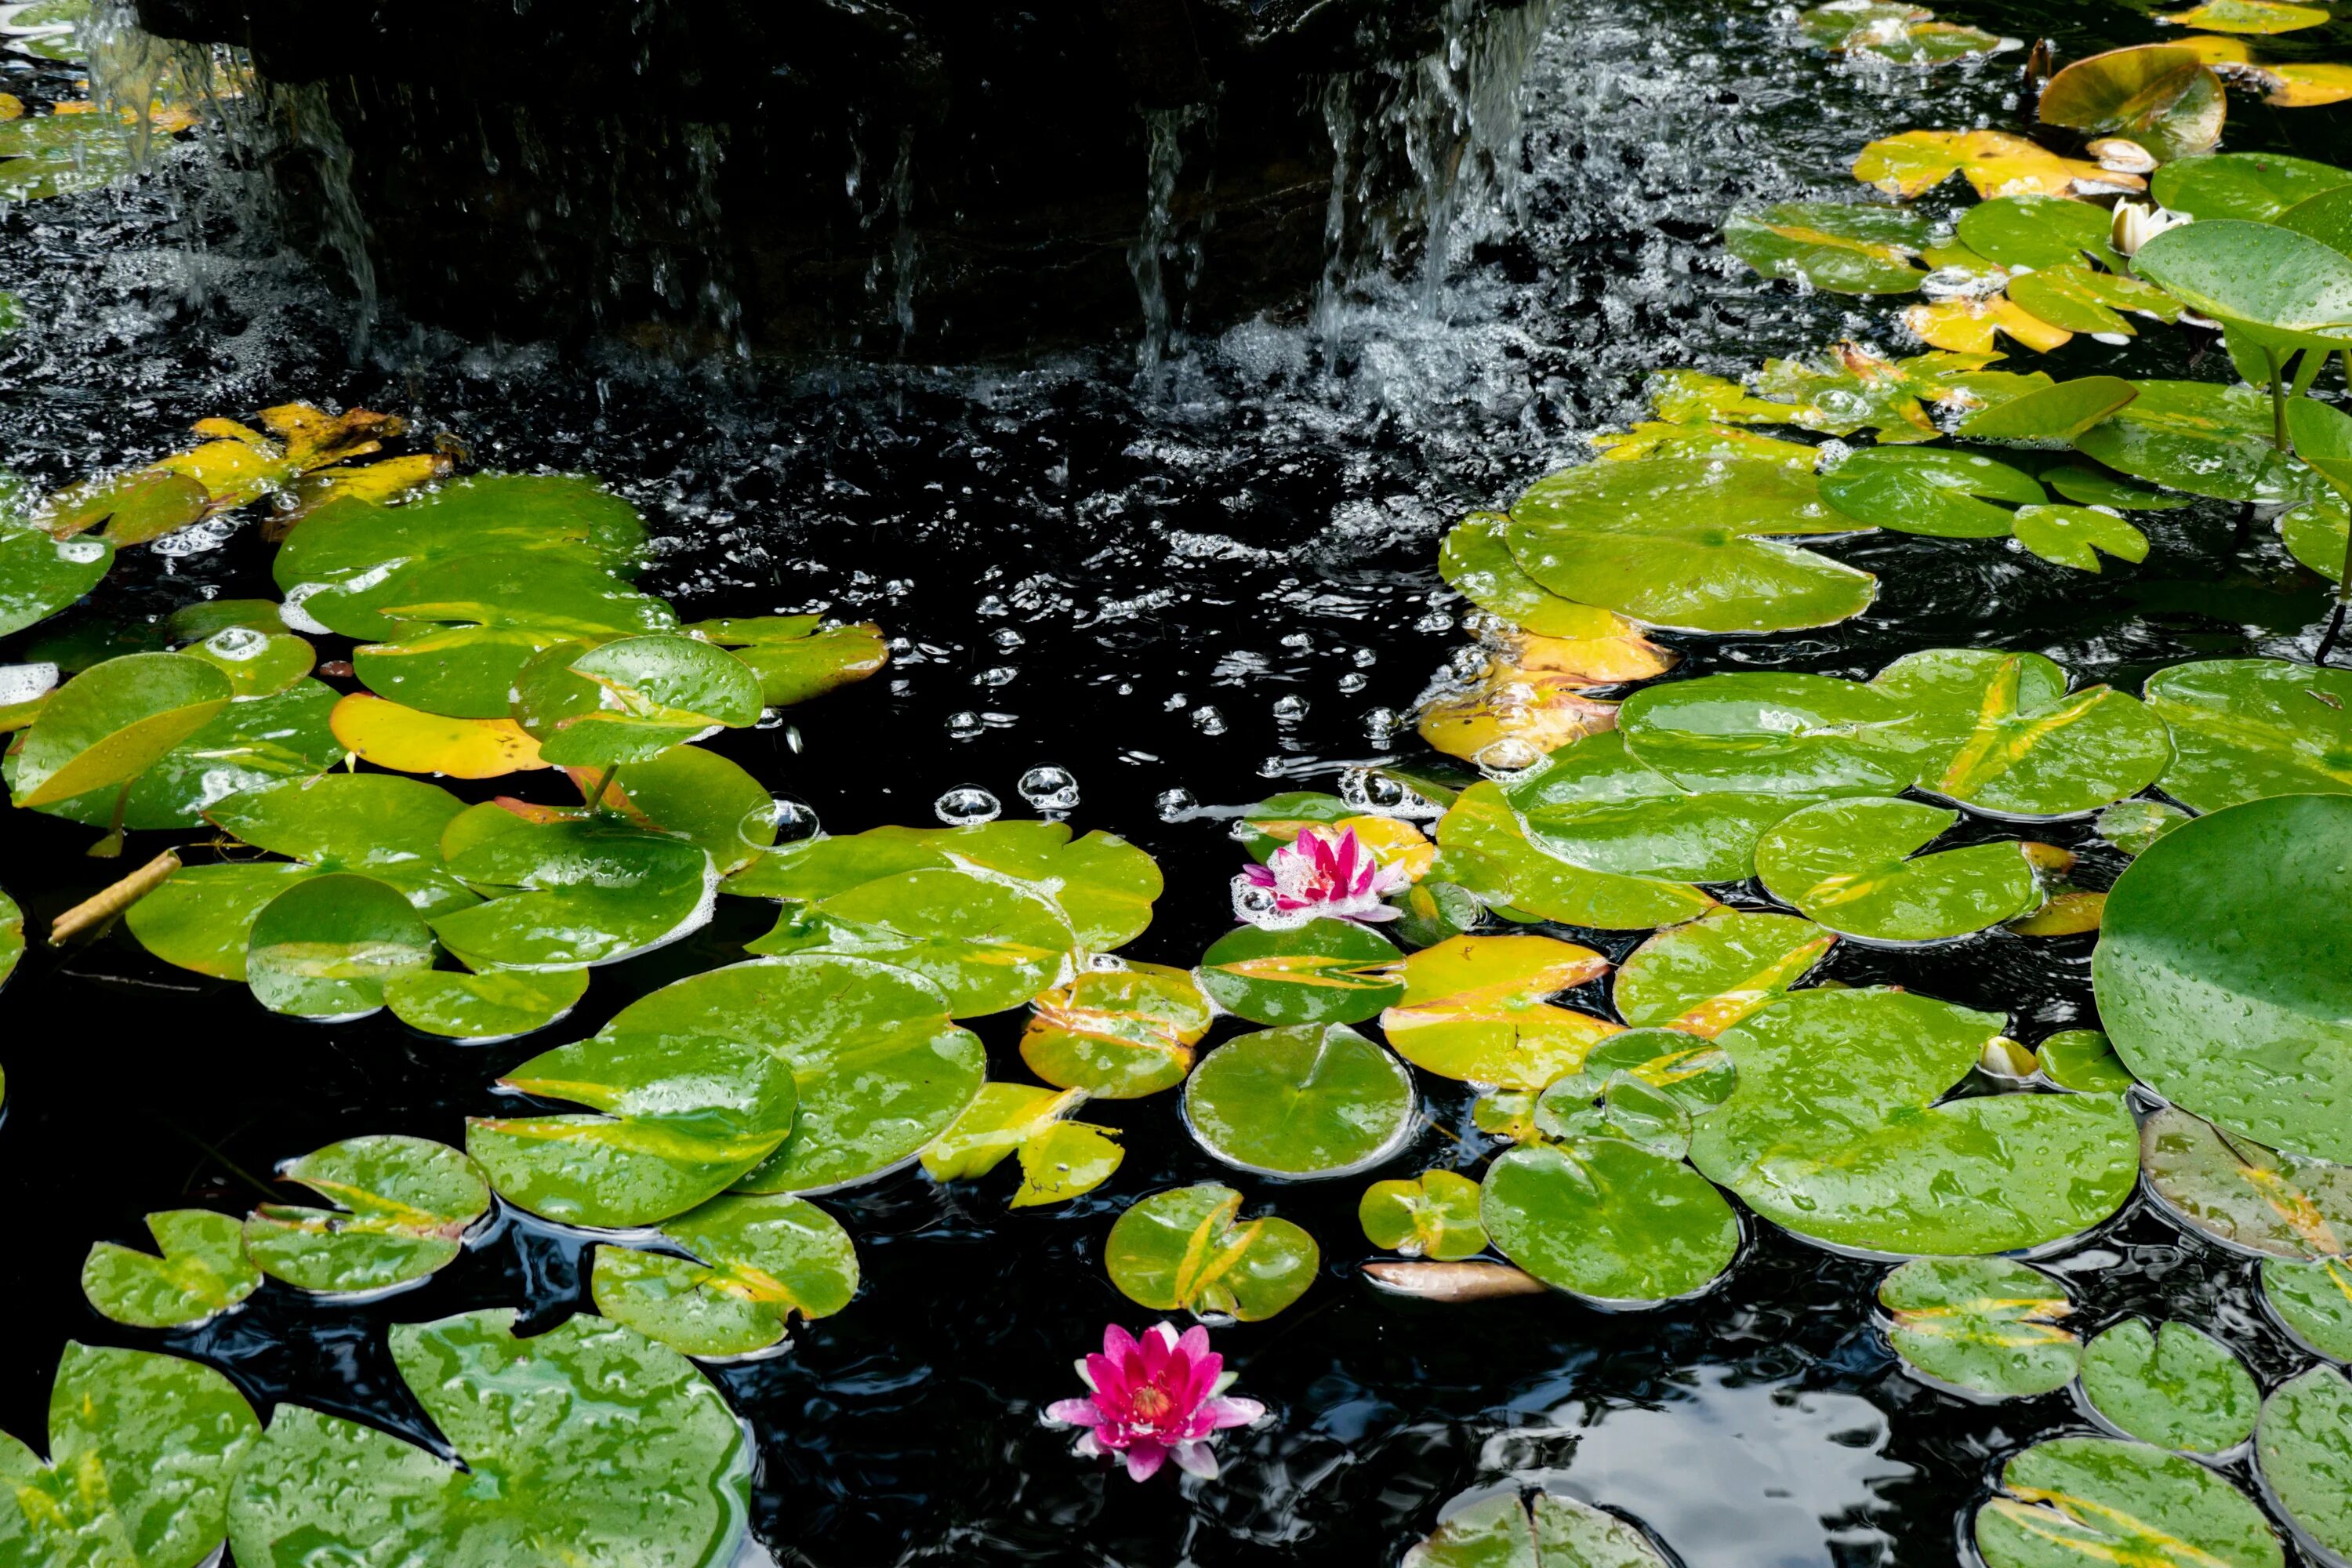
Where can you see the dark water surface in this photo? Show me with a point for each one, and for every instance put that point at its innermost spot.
(1138, 577)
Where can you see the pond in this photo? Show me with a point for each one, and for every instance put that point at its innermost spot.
(1674, 722)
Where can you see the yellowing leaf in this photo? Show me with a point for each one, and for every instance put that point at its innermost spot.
(240, 464)
(406, 741)
(1996, 163)
(2070, 913)
(1656, 439)
(1530, 700)
(1967, 326)
(2247, 16)
(11, 106)
(376, 482)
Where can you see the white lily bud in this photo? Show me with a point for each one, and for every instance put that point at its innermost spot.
(2135, 224)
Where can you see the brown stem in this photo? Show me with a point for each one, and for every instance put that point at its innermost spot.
(97, 910)
(108, 848)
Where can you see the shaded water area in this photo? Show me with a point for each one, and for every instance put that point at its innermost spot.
(1190, 573)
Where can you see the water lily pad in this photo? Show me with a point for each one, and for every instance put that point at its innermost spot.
(478, 1009)
(880, 1069)
(753, 1263)
(1002, 1119)
(202, 919)
(198, 1271)
(327, 946)
(250, 745)
(1690, 1069)
(2248, 1197)
(2081, 1060)
(1324, 972)
(2072, 1500)
(2256, 186)
(2304, 1444)
(112, 723)
(1188, 1249)
(1594, 1103)
(1302, 1101)
(2196, 436)
(257, 664)
(2176, 1388)
(679, 1116)
(1854, 866)
(403, 1207)
(409, 742)
(1835, 1133)
(2057, 413)
(1502, 1532)
(565, 894)
(2284, 288)
(2165, 100)
(605, 1446)
(1473, 1007)
(1533, 695)
(1597, 805)
(1844, 249)
(2077, 536)
(696, 795)
(1118, 1034)
(41, 575)
(2249, 16)
(2245, 729)
(142, 1448)
(55, 155)
(2073, 299)
(1684, 542)
(1477, 562)
(1929, 491)
(986, 943)
(1605, 1220)
(387, 828)
(2131, 825)
(1985, 1326)
(1434, 1214)
(797, 657)
(1995, 163)
(1484, 847)
(2239, 1016)
(2038, 232)
(1775, 733)
(632, 699)
(12, 936)
(1707, 976)
(2013, 741)
(2314, 1301)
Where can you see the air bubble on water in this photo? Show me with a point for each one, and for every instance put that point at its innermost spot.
(769, 719)
(1252, 903)
(1290, 709)
(1049, 788)
(964, 725)
(1365, 658)
(1175, 804)
(1354, 681)
(1434, 621)
(1005, 636)
(785, 819)
(1508, 757)
(81, 552)
(299, 619)
(237, 644)
(1366, 789)
(1380, 723)
(967, 805)
(1208, 721)
(23, 682)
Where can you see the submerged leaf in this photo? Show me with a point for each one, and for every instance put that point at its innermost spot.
(1844, 249)
(2249, 1198)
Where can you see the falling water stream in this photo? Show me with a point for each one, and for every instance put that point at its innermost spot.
(1191, 565)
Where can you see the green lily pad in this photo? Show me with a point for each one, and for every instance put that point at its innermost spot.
(112, 723)
(1502, 1532)
(381, 827)
(2314, 533)
(2176, 1388)
(1845, 248)
(1473, 1008)
(1774, 734)
(41, 575)
(1059, 1160)
(1118, 1034)
(1434, 1214)
(1485, 847)
(2195, 435)
(573, 893)
(326, 947)
(701, 797)
(2167, 100)
(480, 1009)
(46, 155)
(2314, 1301)
(1597, 806)
(1707, 976)
(1477, 562)
(880, 1069)
(1324, 972)
(1603, 1219)
(2131, 825)
(986, 943)
(143, 1449)
(2243, 729)
(797, 657)
(257, 664)
(1188, 1249)
(2038, 232)
(679, 1116)
(631, 700)
(248, 745)
(1691, 1070)
(2257, 186)
(2075, 298)
(2010, 741)
(1853, 866)
(2239, 1015)
(2075, 1501)
(1594, 1103)
(1930, 490)
(1684, 542)
(403, 1207)
(2076, 536)
(2305, 1446)
(2060, 413)
(754, 1262)
(2283, 287)
(1307, 1100)
(202, 919)
(1986, 1326)
(1835, 1133)
(2248, 1197)
(197, 1271)
(12, 936)
(604, 1448)
(194, 621)
(2083, 1061)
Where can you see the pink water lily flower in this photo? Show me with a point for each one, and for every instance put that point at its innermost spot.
(1320, 873)
(1155, 1398)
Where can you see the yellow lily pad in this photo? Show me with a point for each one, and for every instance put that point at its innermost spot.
(391, 736)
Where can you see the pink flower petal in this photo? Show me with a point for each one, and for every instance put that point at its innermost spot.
(1223, 1412)
(1116, 1343)
(1144, 1459)
(1194, 1458)
(1085, 1447)
(1075, 1412)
